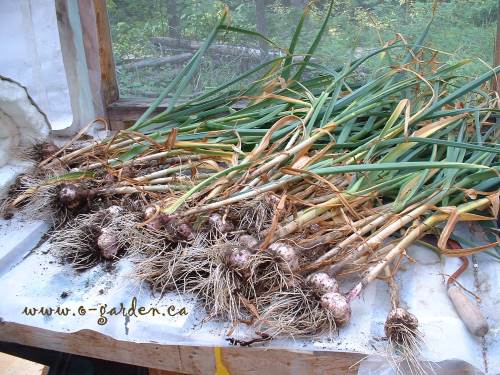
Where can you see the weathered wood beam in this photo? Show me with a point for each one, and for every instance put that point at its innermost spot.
(496, 57)
(195, 360)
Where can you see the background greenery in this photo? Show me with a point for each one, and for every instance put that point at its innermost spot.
(463, 28)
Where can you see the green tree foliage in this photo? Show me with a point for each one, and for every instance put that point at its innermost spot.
(464, 28)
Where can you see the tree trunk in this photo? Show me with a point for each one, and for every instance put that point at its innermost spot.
(260, 20)
(173, 19)
(157, 61)
(299, 3)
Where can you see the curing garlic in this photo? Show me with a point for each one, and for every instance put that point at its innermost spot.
(108, 244)
(322, 283)
(338, 306)
(249, 242)
(286, 253)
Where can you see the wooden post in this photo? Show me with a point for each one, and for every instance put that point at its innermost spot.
(98, 54)
(108, 74)
(496, 58)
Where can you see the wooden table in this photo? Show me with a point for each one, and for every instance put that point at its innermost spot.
(168, 359)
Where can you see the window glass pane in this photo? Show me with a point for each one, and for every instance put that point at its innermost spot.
(153, 39)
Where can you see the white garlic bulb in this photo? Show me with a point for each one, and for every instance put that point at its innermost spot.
(338, 306)
(249, 242)
(239, 260)
(286, 253)
(322, 283)
(108, 244)
(398, 320)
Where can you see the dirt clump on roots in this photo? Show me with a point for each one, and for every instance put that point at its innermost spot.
(295, 311)
(93, 238)
(405, 339)
(218, 273)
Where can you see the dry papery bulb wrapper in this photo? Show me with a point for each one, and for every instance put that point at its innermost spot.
(239, 259)
(220, 223)
(249, 242)
(338, 306)
(287, 253)
(327, 288)
(72, 195)
(322, 283)
(397, 318)
(107, 241)
(158, 221)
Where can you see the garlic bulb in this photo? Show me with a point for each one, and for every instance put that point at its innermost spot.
(220, 223)
(70, 195)
(398, 320)
(149, 212)
(338, 306)
(185, 231)
(108, 244)
(286, 253)
(240, 260)
(249, 242)
(322, 283)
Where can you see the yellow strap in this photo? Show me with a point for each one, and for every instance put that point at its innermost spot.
(220, 369)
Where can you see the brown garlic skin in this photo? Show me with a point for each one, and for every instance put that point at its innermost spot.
(166, 219)
(154, 225)
(239, 260)
(159, 221)
(72, 195)
(338, 306)
(322, 283)
(108, 244)
(249, 242)
(224, 226)
(69, 195)
(285, 253)
(396, 320)
(185, 231)
(149, 212)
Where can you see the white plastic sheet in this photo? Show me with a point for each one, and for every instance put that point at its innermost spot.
(40, 280)
(31, 54)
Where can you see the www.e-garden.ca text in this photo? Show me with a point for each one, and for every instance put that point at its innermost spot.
(104, 311)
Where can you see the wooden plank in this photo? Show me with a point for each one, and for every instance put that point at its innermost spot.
(154, 371)
(194, 360)
(75, 66)
(496, 57)
(11, 365)
(91, 47)
(124, 112)
(108, 74)
(284, 362)
(98, 54)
